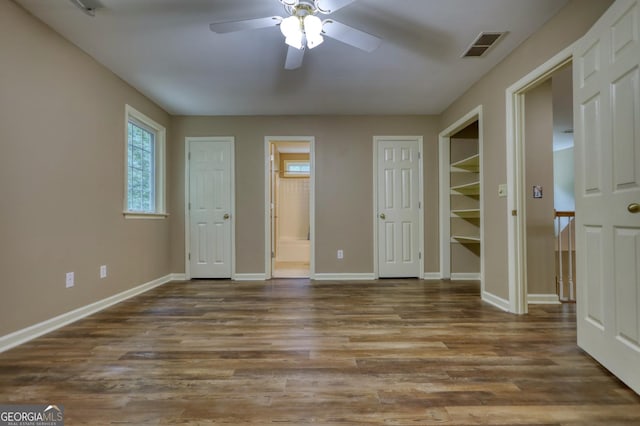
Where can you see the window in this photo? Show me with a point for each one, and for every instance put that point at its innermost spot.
(145, 167)
(296, 168)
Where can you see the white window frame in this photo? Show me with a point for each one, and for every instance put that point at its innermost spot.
(159, 169)
(288, 173)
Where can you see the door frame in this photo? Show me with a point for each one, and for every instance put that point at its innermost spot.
(418, 139)
(267, 201)
(187, 216)
(516, 190)
(445, 200)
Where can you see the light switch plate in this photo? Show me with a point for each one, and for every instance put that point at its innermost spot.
(70, 279)
(502, 190)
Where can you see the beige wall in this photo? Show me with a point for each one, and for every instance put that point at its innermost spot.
(567, 26)
(539, 171)
(62, 178)
(344, 154)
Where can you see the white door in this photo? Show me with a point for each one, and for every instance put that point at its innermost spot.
(607, 137)
(210, 207)
(398, 181)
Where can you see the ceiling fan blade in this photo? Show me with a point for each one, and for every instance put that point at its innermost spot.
(294, 58)
(246, 24)
(350, 35)
(330, 6)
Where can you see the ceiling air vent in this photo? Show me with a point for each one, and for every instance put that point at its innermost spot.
(88, 6)
(482, 44)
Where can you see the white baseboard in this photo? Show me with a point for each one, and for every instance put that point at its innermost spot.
(465, 276)
(178, 277)
(496, 301)
(344, 277)
(543, 299)
(250, 277)
(432, 276)
(22, 336)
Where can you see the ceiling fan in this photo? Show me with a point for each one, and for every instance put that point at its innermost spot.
(303, 28)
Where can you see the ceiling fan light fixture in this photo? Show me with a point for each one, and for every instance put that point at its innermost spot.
(291, 27)
(313, 31)
(314, 40)
(312, 25)
(295, 41)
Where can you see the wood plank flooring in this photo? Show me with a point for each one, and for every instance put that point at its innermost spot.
(389, 352)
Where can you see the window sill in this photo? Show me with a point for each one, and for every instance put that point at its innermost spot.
(138, 215)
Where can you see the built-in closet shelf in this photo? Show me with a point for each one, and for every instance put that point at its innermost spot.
(465, 239)
(466, 213)
(469, 164)
(472, 188)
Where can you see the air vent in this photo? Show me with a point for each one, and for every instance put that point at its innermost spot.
(88, 6)
(482, 44)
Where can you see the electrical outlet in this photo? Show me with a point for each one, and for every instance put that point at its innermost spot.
(103, 271)
(70, 279)
(340, 254)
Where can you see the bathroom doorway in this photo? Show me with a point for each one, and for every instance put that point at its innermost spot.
(290, 181)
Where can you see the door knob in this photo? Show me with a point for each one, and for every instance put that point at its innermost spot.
(633, 208)
(383, 216)
(226, 216)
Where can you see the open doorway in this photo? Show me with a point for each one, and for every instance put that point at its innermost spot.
(522, 189)
(549, 197)
(289, 207)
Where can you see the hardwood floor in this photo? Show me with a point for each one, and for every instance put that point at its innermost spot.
(391, 352)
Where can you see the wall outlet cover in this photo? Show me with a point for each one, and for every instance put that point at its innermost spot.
(103, 271)
(70, 280)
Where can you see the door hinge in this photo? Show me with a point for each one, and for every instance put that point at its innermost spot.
(273, 255)
(419, 205)
(419, 155)
(189, 155)
(189, 256)
(419, 255)
(514, 212)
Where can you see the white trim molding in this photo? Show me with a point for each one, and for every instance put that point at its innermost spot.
(26, 334)
(516, 191)
(250, 277)
(496, 301)
(345, 277)
(431, 276)
(465, 276)
(543, 299)
(178, 276)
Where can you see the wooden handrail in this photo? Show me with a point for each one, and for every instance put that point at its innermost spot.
(564, 213)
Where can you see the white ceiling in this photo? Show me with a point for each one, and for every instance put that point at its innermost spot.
(165, 49)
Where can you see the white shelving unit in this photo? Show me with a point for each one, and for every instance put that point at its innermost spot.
(469, 165)
(465, 239)
(466, 213)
